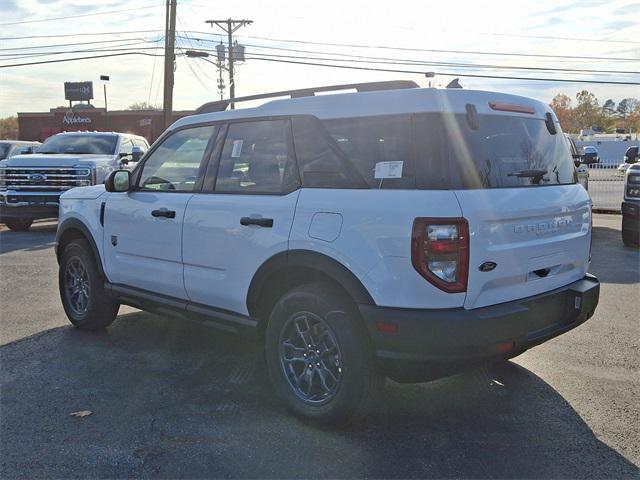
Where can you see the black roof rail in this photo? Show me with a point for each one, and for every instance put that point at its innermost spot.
(222, 105)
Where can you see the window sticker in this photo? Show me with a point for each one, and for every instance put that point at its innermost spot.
(388, 169)
(237, 148)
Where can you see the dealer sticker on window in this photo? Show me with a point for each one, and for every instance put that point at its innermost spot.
(388, 169)
(237, 148)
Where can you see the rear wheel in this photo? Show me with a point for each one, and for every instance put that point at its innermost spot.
(318, 354)
(84, 299)
(18, 224)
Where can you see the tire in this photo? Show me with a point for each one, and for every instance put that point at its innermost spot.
(335, 385)
(18, 224)
(84, 299)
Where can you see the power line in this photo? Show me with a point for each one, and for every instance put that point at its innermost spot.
(79, 43)
(41, 62)
(76, 16)
(20, 56)
(93, 34)
(467, 52)
(399, 61)
(357, 59)
(386, 58)
(386, 47)
(375, 69)
(545, 37)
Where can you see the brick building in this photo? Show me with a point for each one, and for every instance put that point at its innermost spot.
(38, 126)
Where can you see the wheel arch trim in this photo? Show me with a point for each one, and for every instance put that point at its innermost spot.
(312, 260)
(74, 224)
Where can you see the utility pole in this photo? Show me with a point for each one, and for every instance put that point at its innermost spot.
(230, 26)
(169, 61)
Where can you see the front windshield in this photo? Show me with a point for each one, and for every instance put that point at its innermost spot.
(80, 144)
(4, 150)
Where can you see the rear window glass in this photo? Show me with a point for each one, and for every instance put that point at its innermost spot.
(430, 151)
(505, 151)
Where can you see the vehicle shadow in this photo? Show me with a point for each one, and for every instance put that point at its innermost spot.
(40, 236)
(611, 261)
(175, 399)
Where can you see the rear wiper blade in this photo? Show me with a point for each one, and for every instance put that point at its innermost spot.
(528, 174)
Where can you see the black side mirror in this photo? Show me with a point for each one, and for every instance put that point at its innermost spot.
(577, 161)
(118, 181)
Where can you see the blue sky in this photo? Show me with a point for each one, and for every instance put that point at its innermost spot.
(589, 28)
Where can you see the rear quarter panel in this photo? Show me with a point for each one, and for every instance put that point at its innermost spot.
(374, 239)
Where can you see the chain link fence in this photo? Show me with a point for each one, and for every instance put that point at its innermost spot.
(606, 186)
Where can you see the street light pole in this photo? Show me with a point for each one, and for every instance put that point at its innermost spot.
(105, 79)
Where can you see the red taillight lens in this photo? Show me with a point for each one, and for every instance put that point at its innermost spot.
(511, 107)
(440, 252)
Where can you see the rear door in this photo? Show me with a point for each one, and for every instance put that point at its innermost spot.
(143, 227)
(244, 215)
(526, 213)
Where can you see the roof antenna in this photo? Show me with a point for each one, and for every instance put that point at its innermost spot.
(455, 83)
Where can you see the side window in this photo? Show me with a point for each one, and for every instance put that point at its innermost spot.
(175, 164)
(255, 159)
(380, 148)
(126, 146)
(321, 162)
(137, 142)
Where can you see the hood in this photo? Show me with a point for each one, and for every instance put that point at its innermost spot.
(48, 160)
(84, 193)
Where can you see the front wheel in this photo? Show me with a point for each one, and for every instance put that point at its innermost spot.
(319, 355)
(18, 224)
(84, 299)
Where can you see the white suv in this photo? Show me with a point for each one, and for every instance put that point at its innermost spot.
(394, 231)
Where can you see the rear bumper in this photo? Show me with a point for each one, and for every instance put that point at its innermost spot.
(429, 344)
(631, 216)
(34, 205)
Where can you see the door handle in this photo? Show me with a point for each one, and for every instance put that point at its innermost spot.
(163, 212)
(261, 222)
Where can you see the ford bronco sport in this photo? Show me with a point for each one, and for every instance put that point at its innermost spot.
(30, 185)
(396, 231)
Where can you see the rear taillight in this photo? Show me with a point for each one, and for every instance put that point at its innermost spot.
(440, 252)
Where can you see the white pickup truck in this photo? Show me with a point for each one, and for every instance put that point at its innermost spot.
(30, 185)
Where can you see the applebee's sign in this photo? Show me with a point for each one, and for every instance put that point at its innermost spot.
(78, 91)
(72, 119)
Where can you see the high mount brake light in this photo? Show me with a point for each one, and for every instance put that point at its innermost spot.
(440, 252)
(511, 107)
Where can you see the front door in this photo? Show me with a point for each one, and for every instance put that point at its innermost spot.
(143, 227)
(243, 216)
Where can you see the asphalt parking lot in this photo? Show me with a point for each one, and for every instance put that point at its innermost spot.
(179, 400)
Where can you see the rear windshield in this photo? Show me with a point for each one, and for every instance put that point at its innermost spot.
(431, 151)
(506, 151)
(80, 144)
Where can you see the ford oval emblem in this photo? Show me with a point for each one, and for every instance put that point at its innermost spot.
(37, 177)
(487, 266)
